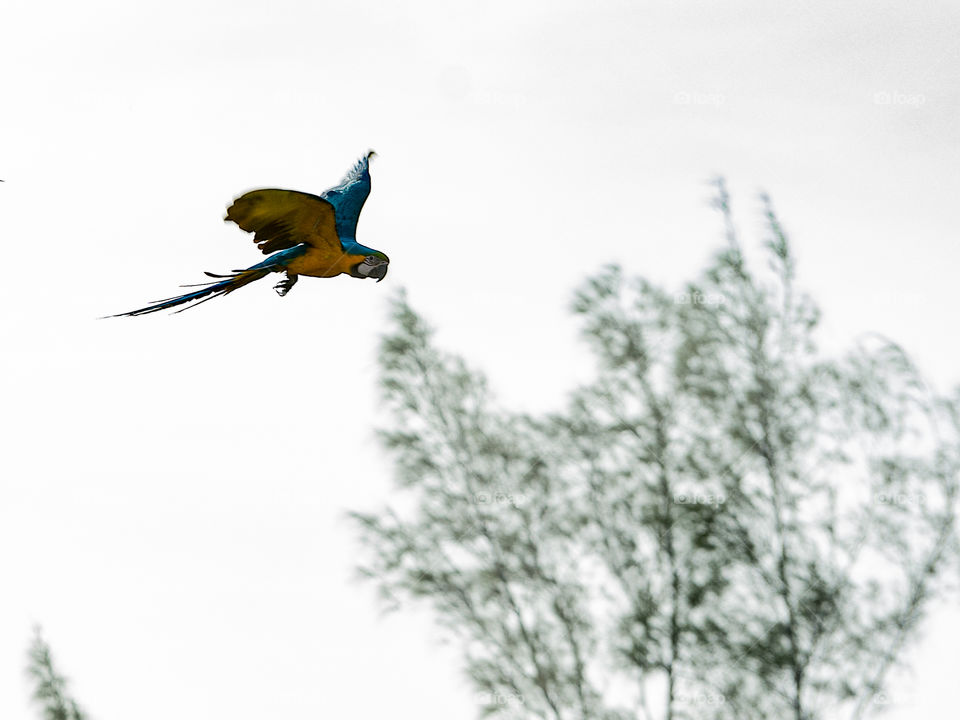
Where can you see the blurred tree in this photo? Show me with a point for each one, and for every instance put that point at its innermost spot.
(724, 524)
(50, 688)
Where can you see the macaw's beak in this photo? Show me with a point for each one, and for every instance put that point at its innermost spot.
(379, 272)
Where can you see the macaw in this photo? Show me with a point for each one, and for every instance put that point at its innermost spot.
(303, 234)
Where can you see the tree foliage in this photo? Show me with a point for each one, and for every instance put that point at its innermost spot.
(725, 523)
(50, 688)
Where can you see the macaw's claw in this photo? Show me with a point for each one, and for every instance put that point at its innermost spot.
(284, 286)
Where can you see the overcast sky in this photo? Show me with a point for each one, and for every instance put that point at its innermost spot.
(173, 492)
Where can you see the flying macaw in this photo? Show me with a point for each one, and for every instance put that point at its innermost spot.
(303, 234)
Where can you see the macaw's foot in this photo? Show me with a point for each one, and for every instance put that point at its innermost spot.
(283, 287)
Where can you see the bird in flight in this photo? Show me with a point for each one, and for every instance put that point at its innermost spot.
(303, 234)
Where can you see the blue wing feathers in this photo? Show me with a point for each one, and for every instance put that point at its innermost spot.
(348, 197)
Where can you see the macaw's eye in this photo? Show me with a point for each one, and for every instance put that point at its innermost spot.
(370, 260)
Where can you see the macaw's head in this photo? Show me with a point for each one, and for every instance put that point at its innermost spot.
(373, 265)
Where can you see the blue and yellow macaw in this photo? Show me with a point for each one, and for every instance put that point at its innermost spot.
(303, 234)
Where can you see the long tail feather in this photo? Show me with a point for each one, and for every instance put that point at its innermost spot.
(209, 291)
(275, 263)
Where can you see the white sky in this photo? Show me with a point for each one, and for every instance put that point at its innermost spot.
(171, 509)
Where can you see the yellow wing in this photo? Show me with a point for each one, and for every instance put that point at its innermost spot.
(282, 219)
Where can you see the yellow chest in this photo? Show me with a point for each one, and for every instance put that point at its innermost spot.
(317, 263)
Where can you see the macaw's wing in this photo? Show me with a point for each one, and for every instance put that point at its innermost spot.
(348, 197)
(282, 219)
